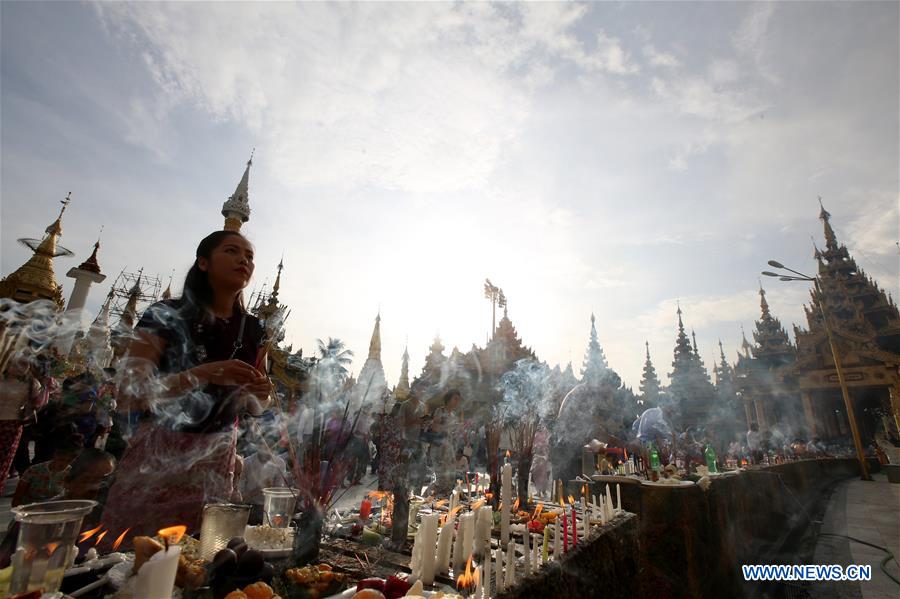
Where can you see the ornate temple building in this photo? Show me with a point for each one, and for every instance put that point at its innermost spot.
(764, 375)
(35, 280)
(866, 327)
(784, 385)
(690, 390)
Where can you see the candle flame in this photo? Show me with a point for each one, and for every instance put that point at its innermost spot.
(477, 504)
(173, 533)
(89, 533)
(508, 455)
(466, 580)
(516, 506)
(377, 494)
(489, 495)
(51, 547)
(100, 537)
(571, 500)
(626, 454)
(537, 511)
(440, 503)
(454, 511)
(120, 538)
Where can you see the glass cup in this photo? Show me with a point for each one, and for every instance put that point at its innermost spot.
(48, 532)
(278, 506)
(221, 523)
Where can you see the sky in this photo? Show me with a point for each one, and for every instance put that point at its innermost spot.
(597, 158)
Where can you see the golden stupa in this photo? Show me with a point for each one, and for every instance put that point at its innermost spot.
(35, 279)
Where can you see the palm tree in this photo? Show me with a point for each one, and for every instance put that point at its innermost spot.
(335, 357)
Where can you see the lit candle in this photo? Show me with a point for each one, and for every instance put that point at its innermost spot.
(610, 501)
(510, 565)
(595, 511)
(454, 499)
(460, 547)
(445, 541)
(156, 578)
(545, 550)
(565, 530)
(479, 585)
(429, 538)
(467, 524)
(506, 502)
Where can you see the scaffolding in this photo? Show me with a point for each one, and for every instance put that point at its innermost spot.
(148, 292)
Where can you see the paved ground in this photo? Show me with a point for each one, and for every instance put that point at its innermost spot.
(870, 512)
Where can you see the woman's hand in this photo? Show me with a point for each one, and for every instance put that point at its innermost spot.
(229, 373)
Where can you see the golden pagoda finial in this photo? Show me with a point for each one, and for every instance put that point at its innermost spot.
(35, 279)
(236, 209)
(375, 343)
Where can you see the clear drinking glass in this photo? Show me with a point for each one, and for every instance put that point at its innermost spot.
(48, 532)
(221, 523)
(278, 506)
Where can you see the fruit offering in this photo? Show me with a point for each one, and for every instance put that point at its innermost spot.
(315, 581)
(237, 566)
(392, 588)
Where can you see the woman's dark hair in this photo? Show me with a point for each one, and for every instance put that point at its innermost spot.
(450, 394)
(86, 460)
(197, 289)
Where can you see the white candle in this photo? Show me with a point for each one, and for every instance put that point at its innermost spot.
(535, 554)
(610, 501)
(595, 511)
(415, 561)
(429, 538)
(501, 583)
(467, 523)
(510, 565)
(445, 542)
(618, 498)
(156, 578)
(506, 500)
(557, 543)
(488, 558)
(526, 550)
(483, 519)
(454, 499)
(585, 525)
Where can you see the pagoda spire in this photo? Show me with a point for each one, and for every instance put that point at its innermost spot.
(35, 279)
(403, 383)
(830, 237)
(167, 294)
(745, 345)
(129, 314)
(763, 304)
(87, 273)
(273, 297)
(375, 343)
(236, 209)
(694, 338)
(595, 364)
(650, 386)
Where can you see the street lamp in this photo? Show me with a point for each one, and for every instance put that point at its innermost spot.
(851, 417)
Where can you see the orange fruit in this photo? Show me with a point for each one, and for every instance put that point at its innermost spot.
(259, 590)
(236, 595)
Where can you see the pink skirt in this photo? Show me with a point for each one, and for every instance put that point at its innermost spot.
(165, 478)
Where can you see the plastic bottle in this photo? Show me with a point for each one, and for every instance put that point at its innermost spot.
(710, 455)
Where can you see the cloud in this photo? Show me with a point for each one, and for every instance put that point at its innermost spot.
(751, 38)
(660, 59)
